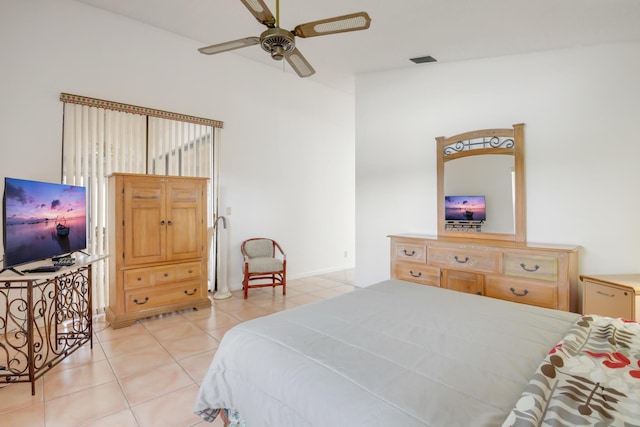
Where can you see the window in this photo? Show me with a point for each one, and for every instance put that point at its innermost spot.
(102, 137)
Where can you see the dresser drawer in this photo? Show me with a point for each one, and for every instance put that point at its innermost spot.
(535, 274)
(531, 266)
(523, 291)
(418, 273)
(466, 259)
(605, 300)
(162, 295)
(463, 281)
(410, 252)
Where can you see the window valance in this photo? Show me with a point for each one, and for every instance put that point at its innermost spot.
(134, 109)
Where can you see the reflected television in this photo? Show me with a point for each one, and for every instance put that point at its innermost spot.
(42, 220)
(465, 208)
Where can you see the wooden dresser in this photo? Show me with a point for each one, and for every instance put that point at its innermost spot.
(157, 242)
(613, 295)
(541, 275)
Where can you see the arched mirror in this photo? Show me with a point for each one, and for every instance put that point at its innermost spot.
(481, 191)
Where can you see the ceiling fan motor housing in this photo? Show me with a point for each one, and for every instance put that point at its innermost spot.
(277, 42)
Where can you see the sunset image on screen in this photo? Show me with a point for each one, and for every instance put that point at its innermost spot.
(465, 208)
(42, 219)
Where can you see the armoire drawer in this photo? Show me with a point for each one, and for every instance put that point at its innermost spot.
(157, 296)
(465, 259)
(418, 273)
(150, 276)
(137, 278)
(163, 274)
(531, 266)
(188, 271)
(153, 276)
(523, 291)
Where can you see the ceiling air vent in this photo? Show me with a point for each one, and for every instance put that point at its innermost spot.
(423, 59)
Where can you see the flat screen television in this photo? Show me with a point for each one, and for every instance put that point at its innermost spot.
(465, 208)
(42, 220)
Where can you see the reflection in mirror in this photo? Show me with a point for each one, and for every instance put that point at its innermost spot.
(491, 176)
(487, 163)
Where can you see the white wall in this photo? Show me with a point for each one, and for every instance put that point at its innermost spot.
(287, 149)
(581, 108)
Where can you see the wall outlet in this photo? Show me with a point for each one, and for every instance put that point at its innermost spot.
(346, 254)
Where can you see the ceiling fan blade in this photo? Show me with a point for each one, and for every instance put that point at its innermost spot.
(230, 45)
(339, 24)
(300, 64)
(260, 11)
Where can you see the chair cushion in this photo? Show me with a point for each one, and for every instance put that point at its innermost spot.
(264, 265)
(259, 248)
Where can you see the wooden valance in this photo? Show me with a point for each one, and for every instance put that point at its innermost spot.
(134, 109)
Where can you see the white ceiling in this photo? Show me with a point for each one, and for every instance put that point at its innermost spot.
(449, 30)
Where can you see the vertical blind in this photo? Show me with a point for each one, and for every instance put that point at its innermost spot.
(102, 137)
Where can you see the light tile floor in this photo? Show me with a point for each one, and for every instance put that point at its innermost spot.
(148, 374)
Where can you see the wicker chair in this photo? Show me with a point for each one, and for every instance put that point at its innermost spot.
(265, 264)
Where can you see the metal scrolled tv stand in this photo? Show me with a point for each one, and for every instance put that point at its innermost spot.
(44, 318)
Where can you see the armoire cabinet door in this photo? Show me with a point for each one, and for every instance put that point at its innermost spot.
(184, 219)
(145, 232)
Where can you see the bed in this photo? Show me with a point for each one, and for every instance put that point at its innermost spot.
(399, 353)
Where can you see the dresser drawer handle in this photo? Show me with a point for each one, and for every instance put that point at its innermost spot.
(409, 254)
(139, 279)
(466, 259)
(190, 271)
(530, 270)
(192, 293)
(513, 291)
(143, 302)
(166, 274)
(415, 275)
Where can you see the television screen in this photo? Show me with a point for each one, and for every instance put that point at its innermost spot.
(465, 208)
(42, 220)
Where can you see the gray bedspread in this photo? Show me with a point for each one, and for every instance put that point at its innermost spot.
(392, 354)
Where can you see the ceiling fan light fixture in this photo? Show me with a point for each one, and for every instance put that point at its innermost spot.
(277, 42)
(277, 52)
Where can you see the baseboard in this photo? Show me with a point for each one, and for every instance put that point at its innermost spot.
(236, 285)
(318, 272)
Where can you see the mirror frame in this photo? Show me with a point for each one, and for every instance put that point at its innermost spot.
(477, 143)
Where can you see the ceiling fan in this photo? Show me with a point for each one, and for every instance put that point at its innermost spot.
(281, 43)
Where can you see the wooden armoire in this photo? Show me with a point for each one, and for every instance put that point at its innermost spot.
(157, 245)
